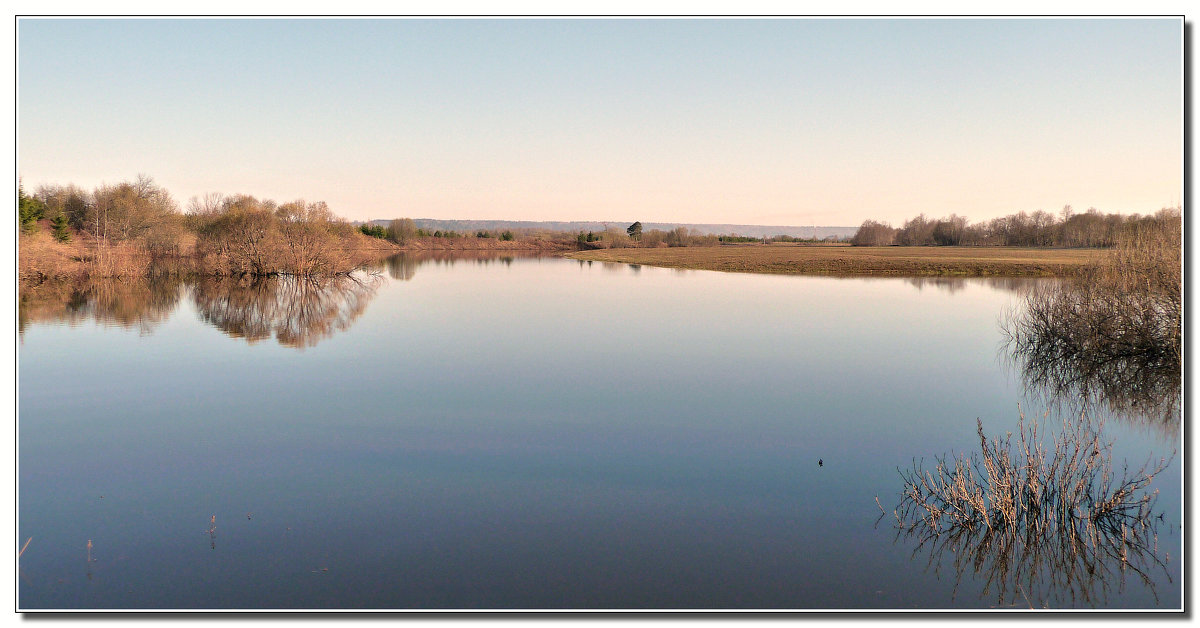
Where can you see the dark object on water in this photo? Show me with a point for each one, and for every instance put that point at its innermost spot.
(820, 462)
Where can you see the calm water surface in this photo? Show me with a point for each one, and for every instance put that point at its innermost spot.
(519, 433)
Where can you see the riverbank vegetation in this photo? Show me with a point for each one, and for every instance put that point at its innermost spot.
(1112, 336)
(1098, 249)
(1059, 522)
(136, 228)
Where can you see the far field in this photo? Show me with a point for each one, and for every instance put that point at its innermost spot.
(851, 260)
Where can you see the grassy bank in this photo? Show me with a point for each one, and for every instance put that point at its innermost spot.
(900, 261)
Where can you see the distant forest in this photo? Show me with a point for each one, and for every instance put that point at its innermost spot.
(1040, 228)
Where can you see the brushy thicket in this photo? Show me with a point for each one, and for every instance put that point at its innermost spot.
(134, 228)
(245, 236)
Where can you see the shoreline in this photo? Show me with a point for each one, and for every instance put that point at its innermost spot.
(851, 261)
(775, 259)
(41, 259)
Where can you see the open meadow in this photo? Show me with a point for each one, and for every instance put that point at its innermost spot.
(792, 259)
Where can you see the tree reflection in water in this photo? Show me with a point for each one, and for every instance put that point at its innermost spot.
(297, 311)
(953, 285)
(139, 304)
(403, 266)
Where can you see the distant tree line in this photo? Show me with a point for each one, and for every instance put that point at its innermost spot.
(1037, 229)
(636, 236)
(740, 239)
(401, 230)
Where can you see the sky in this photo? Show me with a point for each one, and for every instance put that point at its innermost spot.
(745, 121)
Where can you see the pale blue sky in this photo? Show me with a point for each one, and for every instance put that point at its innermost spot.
(779, 121)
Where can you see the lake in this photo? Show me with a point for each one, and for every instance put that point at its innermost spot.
(526, 433)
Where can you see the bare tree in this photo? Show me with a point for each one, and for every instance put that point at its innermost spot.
(401, 230)
(872, 233)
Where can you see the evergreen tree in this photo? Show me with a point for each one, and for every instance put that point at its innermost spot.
(29, 210)
(61, 233)
(635, 230)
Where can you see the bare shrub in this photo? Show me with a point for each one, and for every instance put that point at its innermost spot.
(654, 238)
(1049, 521)
(615, 238)
(1113, 335)
(132, 211)
(401, 230)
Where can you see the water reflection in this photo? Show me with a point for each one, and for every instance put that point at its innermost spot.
(1055, 567)
(1037, 524)
(404, 266)
(297, 311)
(953, 285)
(401, 267)
(141, 304)
(1076, 352)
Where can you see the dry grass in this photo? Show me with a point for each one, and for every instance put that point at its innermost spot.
(901, 261)
(1029, 487)
(1051, 520)
(40, 257)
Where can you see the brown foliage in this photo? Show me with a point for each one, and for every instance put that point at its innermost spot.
(242, 235)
